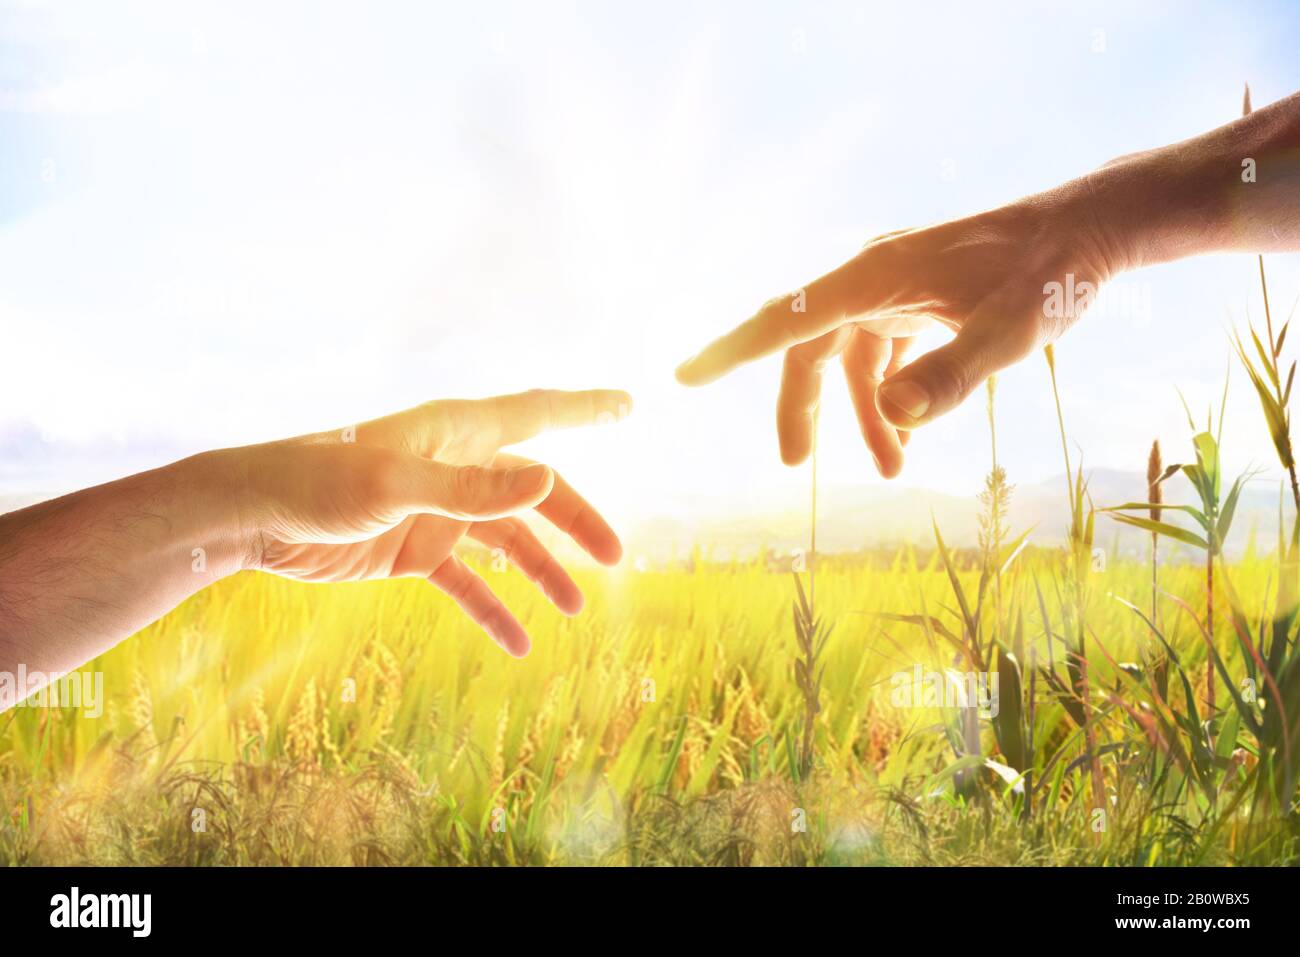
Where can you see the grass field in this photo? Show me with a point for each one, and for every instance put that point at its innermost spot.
(270, 722)
(1140, 712)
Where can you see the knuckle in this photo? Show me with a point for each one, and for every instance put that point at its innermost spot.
(953, 375)
(807, 356)
(449, 416)
(885, 239)
(460, 591)
(468, 485)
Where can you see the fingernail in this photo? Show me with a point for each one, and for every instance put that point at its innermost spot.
(529, 478)
(909, 397)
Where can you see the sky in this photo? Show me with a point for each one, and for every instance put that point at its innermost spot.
(223, 223)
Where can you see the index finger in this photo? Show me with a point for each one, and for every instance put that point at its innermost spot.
(523, 415)
(782, 322)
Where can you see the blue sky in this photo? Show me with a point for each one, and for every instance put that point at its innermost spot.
(223, 223)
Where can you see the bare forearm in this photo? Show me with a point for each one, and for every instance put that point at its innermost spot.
(80, 573)
(1234, 189)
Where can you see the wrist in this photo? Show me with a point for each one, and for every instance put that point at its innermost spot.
(1161, 208)
(1194, 197)
(82, 571)
(216, 483)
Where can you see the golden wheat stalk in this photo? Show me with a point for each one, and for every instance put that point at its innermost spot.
(1155, 496)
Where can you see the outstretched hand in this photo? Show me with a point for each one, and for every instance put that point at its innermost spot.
(391, 497)
(1011, 279)
(983, 277)
(394, 496)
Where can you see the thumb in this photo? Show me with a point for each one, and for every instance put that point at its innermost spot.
(940, 380)
(470, 493)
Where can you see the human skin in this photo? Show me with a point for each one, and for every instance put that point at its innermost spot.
(385, 499)
(985, 277)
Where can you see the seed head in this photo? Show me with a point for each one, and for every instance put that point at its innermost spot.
(1155, 472)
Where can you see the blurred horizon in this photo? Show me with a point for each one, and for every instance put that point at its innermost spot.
(228, 223)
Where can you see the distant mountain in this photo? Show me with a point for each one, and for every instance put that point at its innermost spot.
(867, 517)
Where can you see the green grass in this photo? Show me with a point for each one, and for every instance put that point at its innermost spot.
(236, 705)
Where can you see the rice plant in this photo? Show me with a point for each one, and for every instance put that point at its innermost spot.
(811, 635)
(1082, 527)
(672, 725)
(1214, 514)
(1155, 499)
